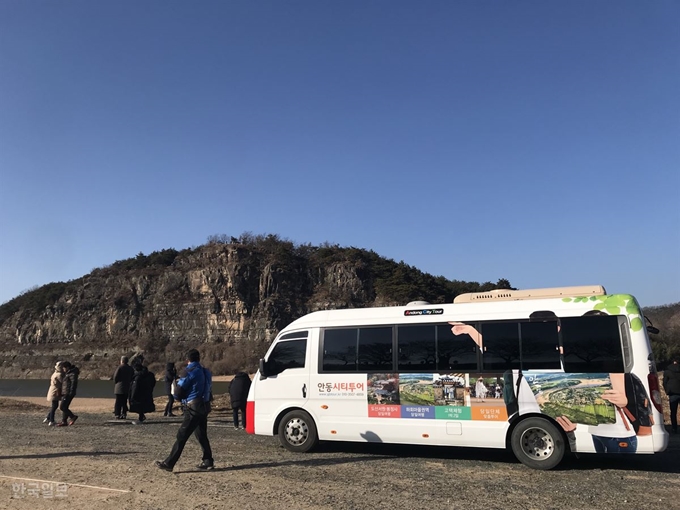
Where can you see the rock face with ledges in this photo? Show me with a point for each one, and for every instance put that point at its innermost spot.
(234, 293)
(210, 294)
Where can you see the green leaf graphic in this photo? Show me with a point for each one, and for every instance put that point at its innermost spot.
(612, 310)
(599, 306)
(566, 299)
(636, 324)
(616, 300)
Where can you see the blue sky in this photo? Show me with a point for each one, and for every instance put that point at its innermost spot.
(534, 141)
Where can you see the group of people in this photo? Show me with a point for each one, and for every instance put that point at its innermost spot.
(134, 385)
(494, 390)
(194, 390)
(133, 389)
(63, 386)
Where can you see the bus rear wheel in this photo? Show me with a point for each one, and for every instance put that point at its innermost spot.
(297, 432)
(537, 443)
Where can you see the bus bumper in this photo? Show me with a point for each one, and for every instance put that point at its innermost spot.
(661, 439)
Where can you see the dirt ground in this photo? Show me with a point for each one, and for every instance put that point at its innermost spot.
(99, 463)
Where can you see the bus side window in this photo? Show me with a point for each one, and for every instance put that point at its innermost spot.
(501, 345)
(375, 349)
(416, 348)
(340, 350)
(287, 355)
(455, 352)
(540, 345)
(592, 344)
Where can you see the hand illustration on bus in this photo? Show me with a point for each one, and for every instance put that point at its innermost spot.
(460, 328)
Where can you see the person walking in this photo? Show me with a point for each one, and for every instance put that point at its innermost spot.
(238, 393)
(141, 392)
(480, 389)
(194, 390)
(54, 394)
(122, 379)
(69, 386)
(671, 385)
(170, 377)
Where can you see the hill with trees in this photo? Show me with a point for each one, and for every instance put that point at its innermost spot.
(229, 296)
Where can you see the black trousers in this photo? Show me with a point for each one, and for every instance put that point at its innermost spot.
(120, 407)
(66, 413)
(168, 406)
(243, 415)
(674, 401)
(194, 423)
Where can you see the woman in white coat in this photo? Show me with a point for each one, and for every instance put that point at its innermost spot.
(54, 393)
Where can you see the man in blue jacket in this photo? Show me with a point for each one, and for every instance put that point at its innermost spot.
(194, 391)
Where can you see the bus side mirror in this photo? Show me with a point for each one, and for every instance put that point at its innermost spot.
(263, 369)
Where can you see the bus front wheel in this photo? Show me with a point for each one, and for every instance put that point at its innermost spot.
(537, 443)
(297, 432)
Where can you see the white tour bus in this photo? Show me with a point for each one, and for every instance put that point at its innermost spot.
(542, 372)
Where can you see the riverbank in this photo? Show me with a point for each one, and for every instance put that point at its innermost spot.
(96, 405)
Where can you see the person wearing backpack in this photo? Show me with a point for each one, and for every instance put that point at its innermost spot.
(194, 391)
(671, 385)
(238, 393)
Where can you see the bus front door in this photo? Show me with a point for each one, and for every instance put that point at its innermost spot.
(283, 384)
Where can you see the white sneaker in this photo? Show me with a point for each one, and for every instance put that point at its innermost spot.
(51, 423)
(46, 420)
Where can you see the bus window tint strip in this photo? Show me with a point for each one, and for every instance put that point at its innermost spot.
(295, 334)
(591, 344)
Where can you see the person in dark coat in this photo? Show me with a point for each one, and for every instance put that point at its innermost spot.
(170, 377)
(122, 379)
(238, 392)
(671, 385)
(141, 391)
(69, 386)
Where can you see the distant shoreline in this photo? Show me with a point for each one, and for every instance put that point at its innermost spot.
(87, 405)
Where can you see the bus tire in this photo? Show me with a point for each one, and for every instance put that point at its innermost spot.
(537, 443)
(297, 432)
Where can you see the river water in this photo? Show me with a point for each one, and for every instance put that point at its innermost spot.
(86, 388)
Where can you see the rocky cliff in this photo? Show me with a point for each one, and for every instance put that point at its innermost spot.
(228, 297)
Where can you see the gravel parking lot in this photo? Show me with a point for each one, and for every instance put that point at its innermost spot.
(111, 465)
